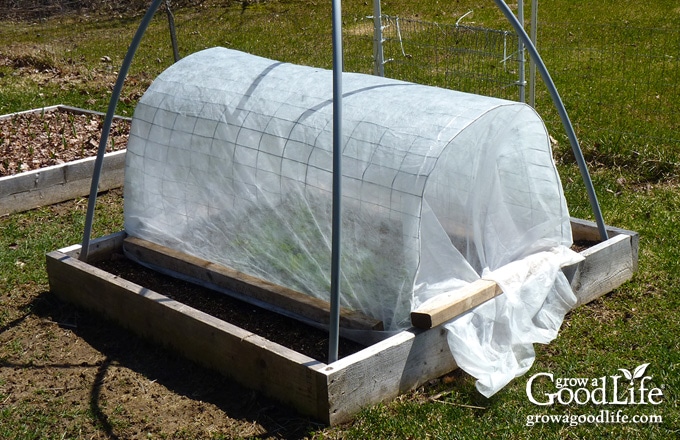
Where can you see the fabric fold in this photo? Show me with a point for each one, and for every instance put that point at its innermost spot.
(494, 341)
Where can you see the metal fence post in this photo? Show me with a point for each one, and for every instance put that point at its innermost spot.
(378, 56)
(520, 52)
(532, 63)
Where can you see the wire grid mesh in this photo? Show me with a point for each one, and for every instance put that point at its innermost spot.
(272, 152)
(229, 159)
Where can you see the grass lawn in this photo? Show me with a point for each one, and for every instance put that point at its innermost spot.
(64, 374)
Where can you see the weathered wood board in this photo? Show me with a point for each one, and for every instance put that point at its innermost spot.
(607, 265)
(58, 183)
(331, 393)
(448, 305)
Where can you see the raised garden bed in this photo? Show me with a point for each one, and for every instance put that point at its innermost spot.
(308, 340)
(332, 393)
(48, 156)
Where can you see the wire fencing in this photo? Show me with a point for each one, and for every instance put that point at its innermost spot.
(619, 83)
(466, 58)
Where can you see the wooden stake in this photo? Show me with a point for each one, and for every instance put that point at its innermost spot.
(448, 305)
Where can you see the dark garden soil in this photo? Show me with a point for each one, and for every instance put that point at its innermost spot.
(275, 327)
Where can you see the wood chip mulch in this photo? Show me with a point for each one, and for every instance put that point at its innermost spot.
(30, 141)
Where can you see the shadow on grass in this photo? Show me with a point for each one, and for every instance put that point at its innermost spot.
(182, 377)
(96, 410)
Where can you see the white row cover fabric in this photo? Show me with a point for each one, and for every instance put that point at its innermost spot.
(494, 341)
(230, 160)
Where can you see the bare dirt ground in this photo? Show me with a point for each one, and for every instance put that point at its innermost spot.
(105, 383)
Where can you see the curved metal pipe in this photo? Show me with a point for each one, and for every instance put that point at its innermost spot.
(575, 147)
(115, 96)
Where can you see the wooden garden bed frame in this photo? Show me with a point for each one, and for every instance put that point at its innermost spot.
(331, 393)
(57, 183)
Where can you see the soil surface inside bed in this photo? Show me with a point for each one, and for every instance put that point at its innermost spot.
(277, 328)
(30, 141)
